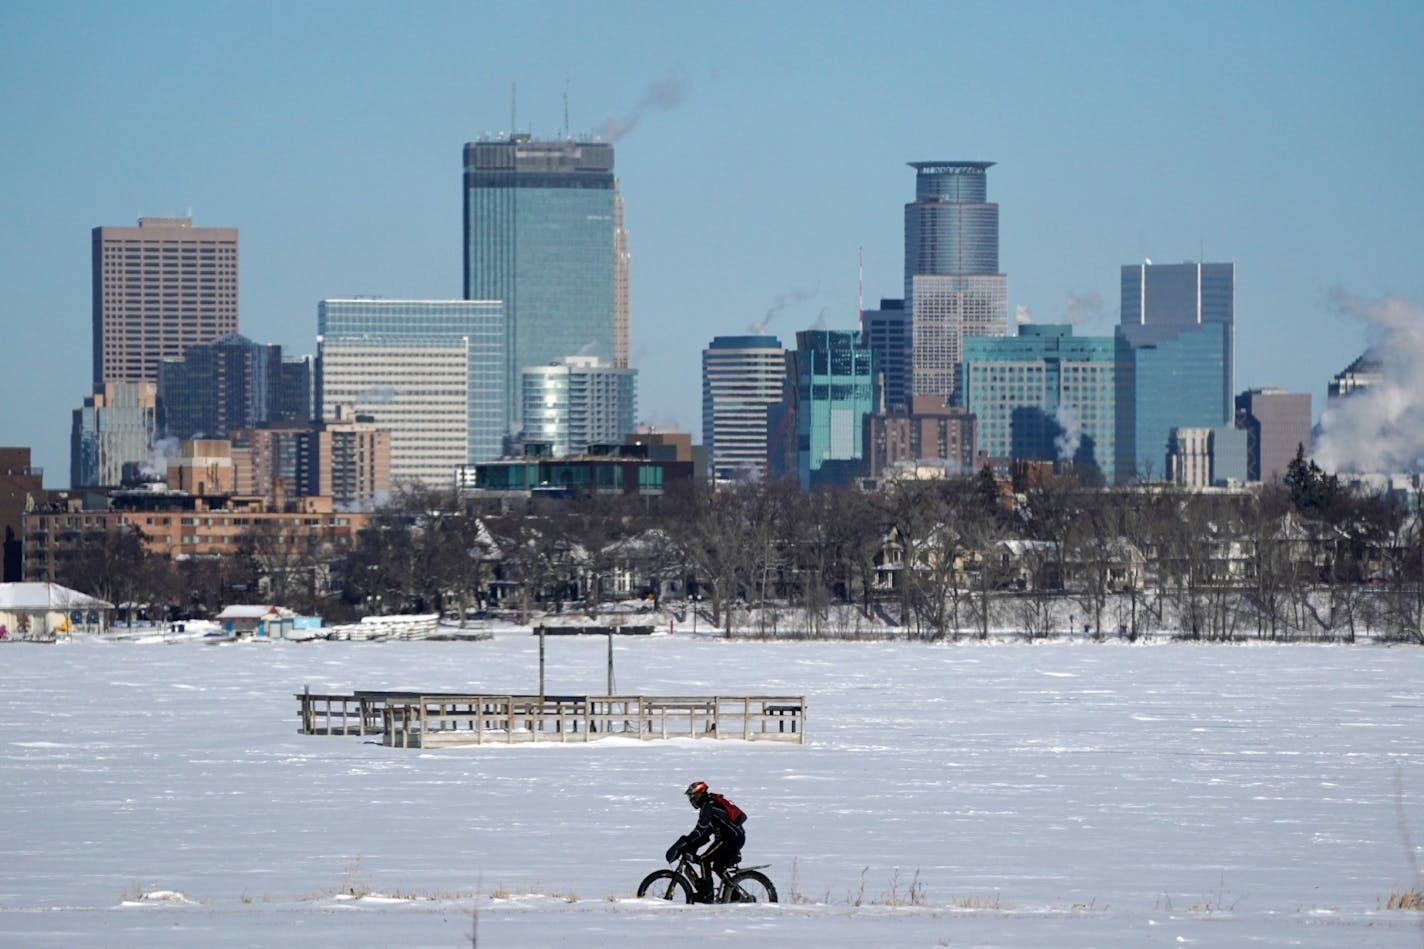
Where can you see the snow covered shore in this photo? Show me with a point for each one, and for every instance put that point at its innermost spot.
(1069, 794)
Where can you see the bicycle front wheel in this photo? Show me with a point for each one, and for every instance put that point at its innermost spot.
(665, 885)
(750, 886)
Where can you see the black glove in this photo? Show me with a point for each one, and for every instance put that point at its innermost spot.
(675, 850)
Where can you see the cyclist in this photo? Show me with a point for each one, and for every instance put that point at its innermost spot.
(719, 820)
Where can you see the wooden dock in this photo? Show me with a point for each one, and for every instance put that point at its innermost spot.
(441, 720)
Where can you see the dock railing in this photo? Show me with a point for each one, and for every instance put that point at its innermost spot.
(408, 720)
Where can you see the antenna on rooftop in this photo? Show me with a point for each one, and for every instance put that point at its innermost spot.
(566, 107)
(512, 126)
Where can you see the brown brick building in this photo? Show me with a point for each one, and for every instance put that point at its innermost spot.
(159, 288)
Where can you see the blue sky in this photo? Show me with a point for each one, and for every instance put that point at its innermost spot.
(768, 148)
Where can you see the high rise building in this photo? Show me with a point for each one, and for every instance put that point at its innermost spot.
(115, 426)
(741, 377)
(1175, 342)
(158, 289)
(578, 401)
(887, 333)
(1045, 395)
(1277, 424)
(431, 372)
(216, 388)
(834, 389)
(953, 287)
(543, 233)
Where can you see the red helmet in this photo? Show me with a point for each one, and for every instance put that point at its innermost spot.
(696, 793)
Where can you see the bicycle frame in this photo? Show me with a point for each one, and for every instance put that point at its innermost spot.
(690, 868)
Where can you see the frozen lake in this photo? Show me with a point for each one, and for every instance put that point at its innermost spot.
(1069, 794)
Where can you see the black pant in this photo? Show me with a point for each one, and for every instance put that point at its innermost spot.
(722, 854)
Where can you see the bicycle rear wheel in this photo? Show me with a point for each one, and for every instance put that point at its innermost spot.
(750, 886)
(665, 885)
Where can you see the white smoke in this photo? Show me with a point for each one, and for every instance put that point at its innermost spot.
(1379, 428)
(664, 94)
(1082, 307)
(1022, 315)
(156, 464)
(1070, 434)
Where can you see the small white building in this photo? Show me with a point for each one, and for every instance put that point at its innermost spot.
(261, 620)
(41, 612)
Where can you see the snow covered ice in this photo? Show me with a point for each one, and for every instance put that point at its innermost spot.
(1065, 794)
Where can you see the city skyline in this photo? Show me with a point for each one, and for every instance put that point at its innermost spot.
(764, 184)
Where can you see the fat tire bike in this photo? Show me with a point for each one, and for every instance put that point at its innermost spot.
(738, 884)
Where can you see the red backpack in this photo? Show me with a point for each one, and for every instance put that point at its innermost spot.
(737, 815)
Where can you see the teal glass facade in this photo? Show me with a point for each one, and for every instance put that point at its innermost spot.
(835, 390)
(1176, 341)
(539, 235)
(1171, 381)
(475, 326)
(1045, 394)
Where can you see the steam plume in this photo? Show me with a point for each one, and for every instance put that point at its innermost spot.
(1379, 428)
(664, 94)
(1070, 434)
(780, 302)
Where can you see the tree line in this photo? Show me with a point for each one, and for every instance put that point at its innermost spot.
(1298, 559)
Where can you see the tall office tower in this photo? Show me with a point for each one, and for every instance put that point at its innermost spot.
(117, 425)
(1175, 341)
(216, 388)
(431, 372)
(542, 235)
(742, 376)
(887, 332)
(158, 289)
(1047, 395)
(578, 401)
(1277, 423)
(834, 375)
(953, 287)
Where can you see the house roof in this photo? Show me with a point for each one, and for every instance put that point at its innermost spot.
(253, 611)
(47, 596)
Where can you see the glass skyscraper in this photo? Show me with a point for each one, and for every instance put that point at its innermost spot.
(543, 233)
(1175, 342)
(1044, 394)
(834, 372)
(953, 287)
(432, 372)
(887, 332)
(217, 388)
